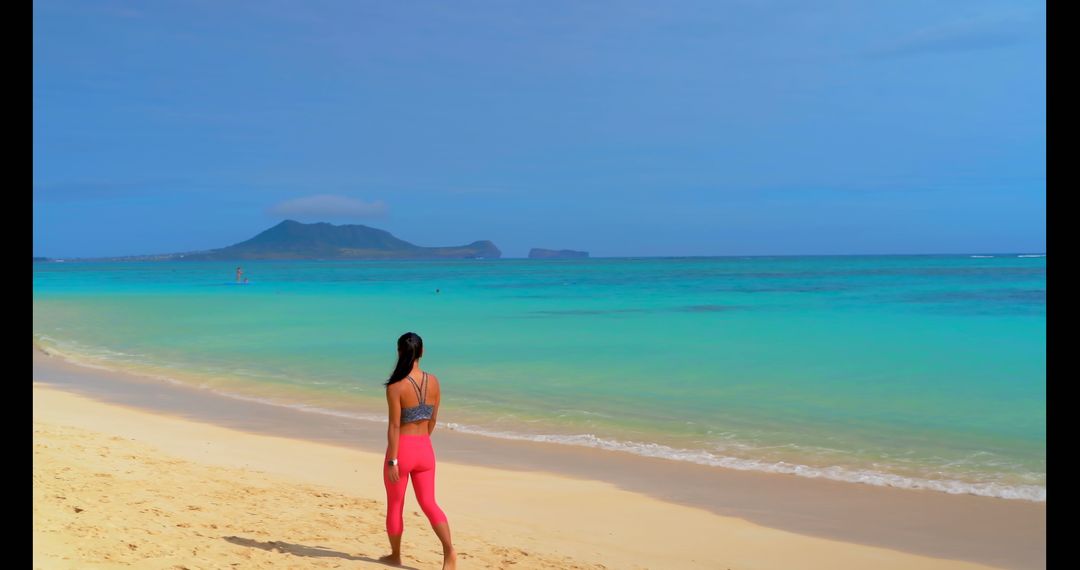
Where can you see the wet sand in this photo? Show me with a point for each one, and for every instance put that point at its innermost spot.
(849, 517)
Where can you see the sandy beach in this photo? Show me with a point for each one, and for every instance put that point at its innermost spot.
(644, 285)
(116, 485)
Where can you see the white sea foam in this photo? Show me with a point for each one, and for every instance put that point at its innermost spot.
(981, 256)
(1023, 492)
(78, 355)
(1035, 493)
(304, 407)
(1033, 255)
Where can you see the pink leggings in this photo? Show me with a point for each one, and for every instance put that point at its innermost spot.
(415, 457)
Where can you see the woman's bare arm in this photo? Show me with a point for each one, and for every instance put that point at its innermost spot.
(435, 406)
(394, 429)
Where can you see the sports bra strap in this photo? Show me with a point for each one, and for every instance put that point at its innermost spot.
(420, 394)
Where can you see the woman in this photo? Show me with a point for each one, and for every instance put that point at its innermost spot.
(414, 405)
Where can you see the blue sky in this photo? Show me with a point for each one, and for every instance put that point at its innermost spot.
(745, 127)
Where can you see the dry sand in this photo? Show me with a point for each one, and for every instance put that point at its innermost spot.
(115, 486)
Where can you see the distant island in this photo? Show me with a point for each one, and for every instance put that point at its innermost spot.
(541, 253)
(295, 240)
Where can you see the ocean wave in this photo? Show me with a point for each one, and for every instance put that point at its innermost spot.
(98, 363)
(1033, 255)
(1035, 493)
(303, 407)
(100, 359)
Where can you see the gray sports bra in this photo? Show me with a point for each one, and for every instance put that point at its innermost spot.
(422, 411)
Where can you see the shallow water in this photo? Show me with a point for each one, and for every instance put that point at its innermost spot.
(920, 371)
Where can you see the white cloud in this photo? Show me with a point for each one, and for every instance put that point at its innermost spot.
(972, 34)
(323, 206)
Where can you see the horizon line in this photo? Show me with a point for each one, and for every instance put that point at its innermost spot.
(113, 258)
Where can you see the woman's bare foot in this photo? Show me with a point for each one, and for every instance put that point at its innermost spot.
(449, 560)
(394, 559)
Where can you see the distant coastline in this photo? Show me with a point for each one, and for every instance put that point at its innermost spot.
(292, 240)
(197, 256)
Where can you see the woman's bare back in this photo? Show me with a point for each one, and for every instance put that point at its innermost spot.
(408, 398)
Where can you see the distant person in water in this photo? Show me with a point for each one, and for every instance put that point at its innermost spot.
(413, 409)
(245, 280)
(239, 273)
(436, 291)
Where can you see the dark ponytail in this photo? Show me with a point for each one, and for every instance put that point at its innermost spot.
(410, 347)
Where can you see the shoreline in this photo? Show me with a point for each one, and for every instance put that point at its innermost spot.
(368, 408)
(999, 532)
(115, 486)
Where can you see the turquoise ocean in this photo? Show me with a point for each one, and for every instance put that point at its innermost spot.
(910, 371)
